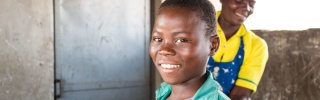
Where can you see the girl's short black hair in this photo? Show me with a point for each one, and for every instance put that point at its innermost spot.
(205, 9)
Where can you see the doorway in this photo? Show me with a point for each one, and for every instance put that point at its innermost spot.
(101, 49)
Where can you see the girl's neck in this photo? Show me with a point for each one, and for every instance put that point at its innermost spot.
(187, 89)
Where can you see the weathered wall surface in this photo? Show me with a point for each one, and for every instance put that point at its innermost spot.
(293, 68)
(26, 50)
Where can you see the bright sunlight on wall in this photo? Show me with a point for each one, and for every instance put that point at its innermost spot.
(282, 14)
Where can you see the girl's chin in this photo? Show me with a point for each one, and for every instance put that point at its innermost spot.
(171, 81)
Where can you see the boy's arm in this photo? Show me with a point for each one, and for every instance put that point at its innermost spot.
(253, 67)
(240, 93)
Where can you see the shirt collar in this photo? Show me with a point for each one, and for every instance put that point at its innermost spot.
(207, 88)
(241, 31)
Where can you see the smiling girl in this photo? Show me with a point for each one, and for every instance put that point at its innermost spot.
(183, 38)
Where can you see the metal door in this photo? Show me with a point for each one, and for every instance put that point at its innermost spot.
(101, 49)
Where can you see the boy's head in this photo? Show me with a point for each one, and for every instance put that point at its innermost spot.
(183, 37)
(236, 11)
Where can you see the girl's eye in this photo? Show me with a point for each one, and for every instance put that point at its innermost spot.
(181, 40)
(157, 39)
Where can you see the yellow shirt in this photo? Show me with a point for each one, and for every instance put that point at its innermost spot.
(255, 56)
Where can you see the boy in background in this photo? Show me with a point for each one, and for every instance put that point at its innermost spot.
(240, 61)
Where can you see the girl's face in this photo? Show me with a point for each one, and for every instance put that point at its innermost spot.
(179, 47)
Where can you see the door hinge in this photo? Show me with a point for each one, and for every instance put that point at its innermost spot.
(59, 89)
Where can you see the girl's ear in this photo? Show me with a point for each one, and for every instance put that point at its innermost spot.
(221, 1)
(215, 42)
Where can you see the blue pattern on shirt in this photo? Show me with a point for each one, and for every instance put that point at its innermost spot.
(226, 73)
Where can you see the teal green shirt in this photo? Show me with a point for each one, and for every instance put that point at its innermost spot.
(208, 91)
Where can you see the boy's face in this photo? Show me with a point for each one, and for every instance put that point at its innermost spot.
(179, 47)
(237, 11)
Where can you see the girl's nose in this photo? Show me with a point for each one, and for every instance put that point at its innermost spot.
(166, 49)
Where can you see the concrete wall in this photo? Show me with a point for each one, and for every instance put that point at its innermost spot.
(26, 50)
(293, 69)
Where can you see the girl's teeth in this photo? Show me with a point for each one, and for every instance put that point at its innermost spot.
(169, 66)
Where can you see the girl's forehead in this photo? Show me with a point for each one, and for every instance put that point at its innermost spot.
(178, 15)
(178, 21)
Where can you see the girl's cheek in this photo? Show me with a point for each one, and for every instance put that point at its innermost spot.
(153, 49)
